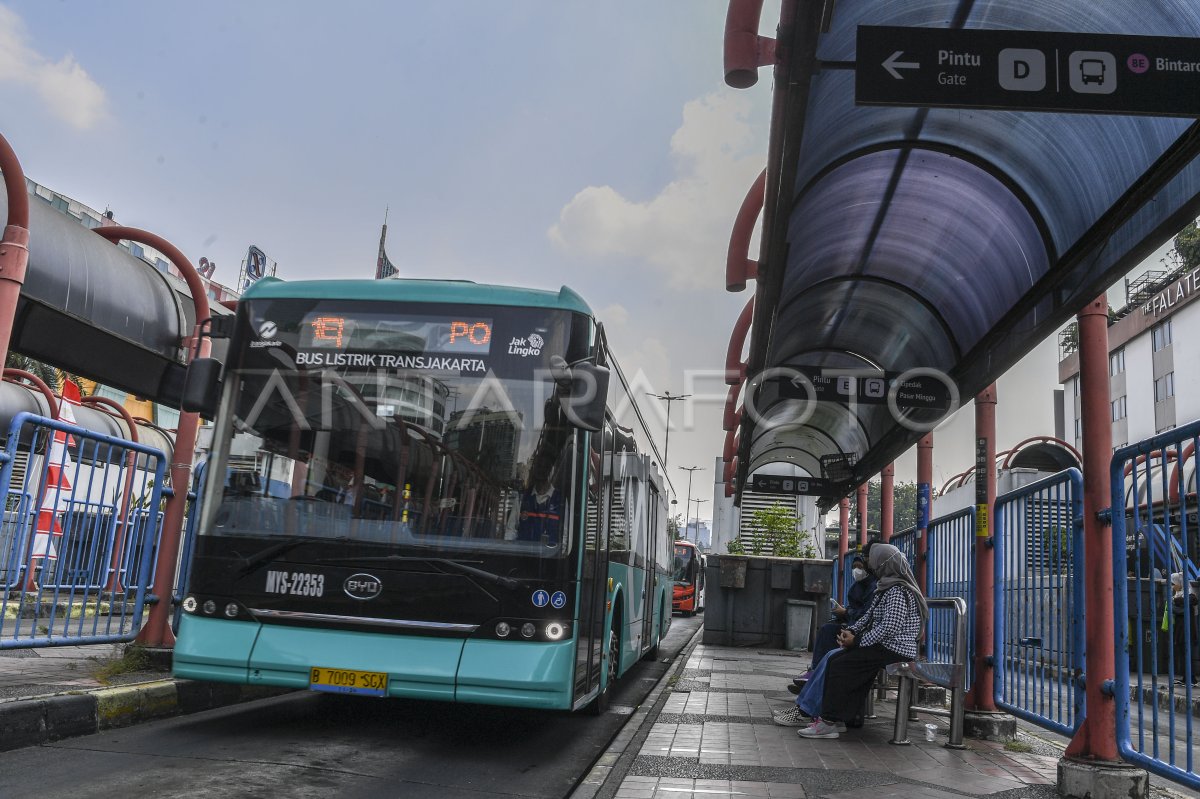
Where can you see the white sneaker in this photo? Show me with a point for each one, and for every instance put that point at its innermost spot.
(792, 717)
(819, 729)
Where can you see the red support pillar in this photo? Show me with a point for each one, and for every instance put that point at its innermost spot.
(985, 498)
(844, 526)
(887, 491)
(862, 515)
(157, 632)
(924, 489)
(14, 246)
(1096, 738)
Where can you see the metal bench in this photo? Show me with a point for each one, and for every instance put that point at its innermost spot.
(952, 676)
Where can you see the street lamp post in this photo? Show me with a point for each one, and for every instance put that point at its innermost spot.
(689, 470)
(668, 398)
(698, 503)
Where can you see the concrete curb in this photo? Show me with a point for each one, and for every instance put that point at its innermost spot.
(591, 785)
(29, 722)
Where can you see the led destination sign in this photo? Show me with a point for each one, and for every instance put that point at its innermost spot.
(442, 335)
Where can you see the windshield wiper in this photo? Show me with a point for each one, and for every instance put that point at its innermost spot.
(490, 577)
(252, 562)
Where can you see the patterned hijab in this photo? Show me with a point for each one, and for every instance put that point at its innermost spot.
(891, 568)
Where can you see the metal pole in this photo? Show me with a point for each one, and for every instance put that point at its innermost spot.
(985, 499)
(862, 515)
(1096, 738)
(924, 486)
(689, 470)
(157, 632)
(887, 491)
(698, 502)
(14, 246)
(667, 397)
(844, 525)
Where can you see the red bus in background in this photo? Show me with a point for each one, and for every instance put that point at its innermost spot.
(688, 596)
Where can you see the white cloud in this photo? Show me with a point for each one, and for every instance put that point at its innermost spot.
(684, 231)
(643, 357)
(63, 85)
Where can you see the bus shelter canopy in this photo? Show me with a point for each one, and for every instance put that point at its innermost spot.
(950, 239)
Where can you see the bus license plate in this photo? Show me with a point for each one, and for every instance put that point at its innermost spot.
(347, 681)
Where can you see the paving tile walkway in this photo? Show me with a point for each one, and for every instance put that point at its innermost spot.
(714, 738)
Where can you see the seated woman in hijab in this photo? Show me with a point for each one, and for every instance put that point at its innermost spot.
(887, 633)
(858, 598)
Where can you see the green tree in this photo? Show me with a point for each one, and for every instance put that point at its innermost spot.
(50, 375)
(777, 529)
(904, 506)
(674, 524)
(1187, 246)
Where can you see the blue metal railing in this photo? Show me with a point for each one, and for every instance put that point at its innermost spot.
(64, 555)
(17, 509)
(1038, 602)
(906, 542)
(951, 572)
(1154, 503)
(190, 528)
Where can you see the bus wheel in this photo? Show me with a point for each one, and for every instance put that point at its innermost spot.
(600, 705)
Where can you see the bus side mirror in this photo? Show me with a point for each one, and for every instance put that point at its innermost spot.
(585, 400)
(202, 387)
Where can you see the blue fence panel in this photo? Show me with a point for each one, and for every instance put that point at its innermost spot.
(950, 572)
(191, 526)
(1155, 536)
(906, 542)
(142, 522)
(17, 510)
(63, 548)
(1038, 602)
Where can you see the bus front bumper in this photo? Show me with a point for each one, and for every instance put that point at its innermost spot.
(512, 673)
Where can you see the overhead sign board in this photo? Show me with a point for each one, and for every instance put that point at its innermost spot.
(1028, 70)
(926, 392)
(779, 484)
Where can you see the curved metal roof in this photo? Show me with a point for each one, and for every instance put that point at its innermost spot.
(950, 239)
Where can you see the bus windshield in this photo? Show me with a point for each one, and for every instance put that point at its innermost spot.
(434, 429)
(683, 559)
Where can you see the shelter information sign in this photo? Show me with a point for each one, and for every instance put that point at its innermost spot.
(907, 390)
(780, 484)
(1028, 70)
(924, 491)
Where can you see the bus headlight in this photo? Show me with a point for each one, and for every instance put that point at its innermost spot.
(231, 610)
(528, 630)
(503, 629)
(210, 607)
(190, 604)
(555, 631)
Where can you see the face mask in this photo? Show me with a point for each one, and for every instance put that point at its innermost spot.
(859, 575)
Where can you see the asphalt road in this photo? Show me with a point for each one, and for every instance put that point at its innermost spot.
(318, 745)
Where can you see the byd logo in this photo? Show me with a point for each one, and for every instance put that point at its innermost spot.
(362, 586)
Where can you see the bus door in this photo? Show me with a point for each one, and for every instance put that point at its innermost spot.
(649, 573)
(593, 575)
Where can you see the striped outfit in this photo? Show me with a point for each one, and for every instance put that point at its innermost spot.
(893, 619)
(886, 633)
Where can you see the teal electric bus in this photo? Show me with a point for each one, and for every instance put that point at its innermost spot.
(429, 489)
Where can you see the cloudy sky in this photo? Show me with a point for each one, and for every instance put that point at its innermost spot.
(527, 142)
